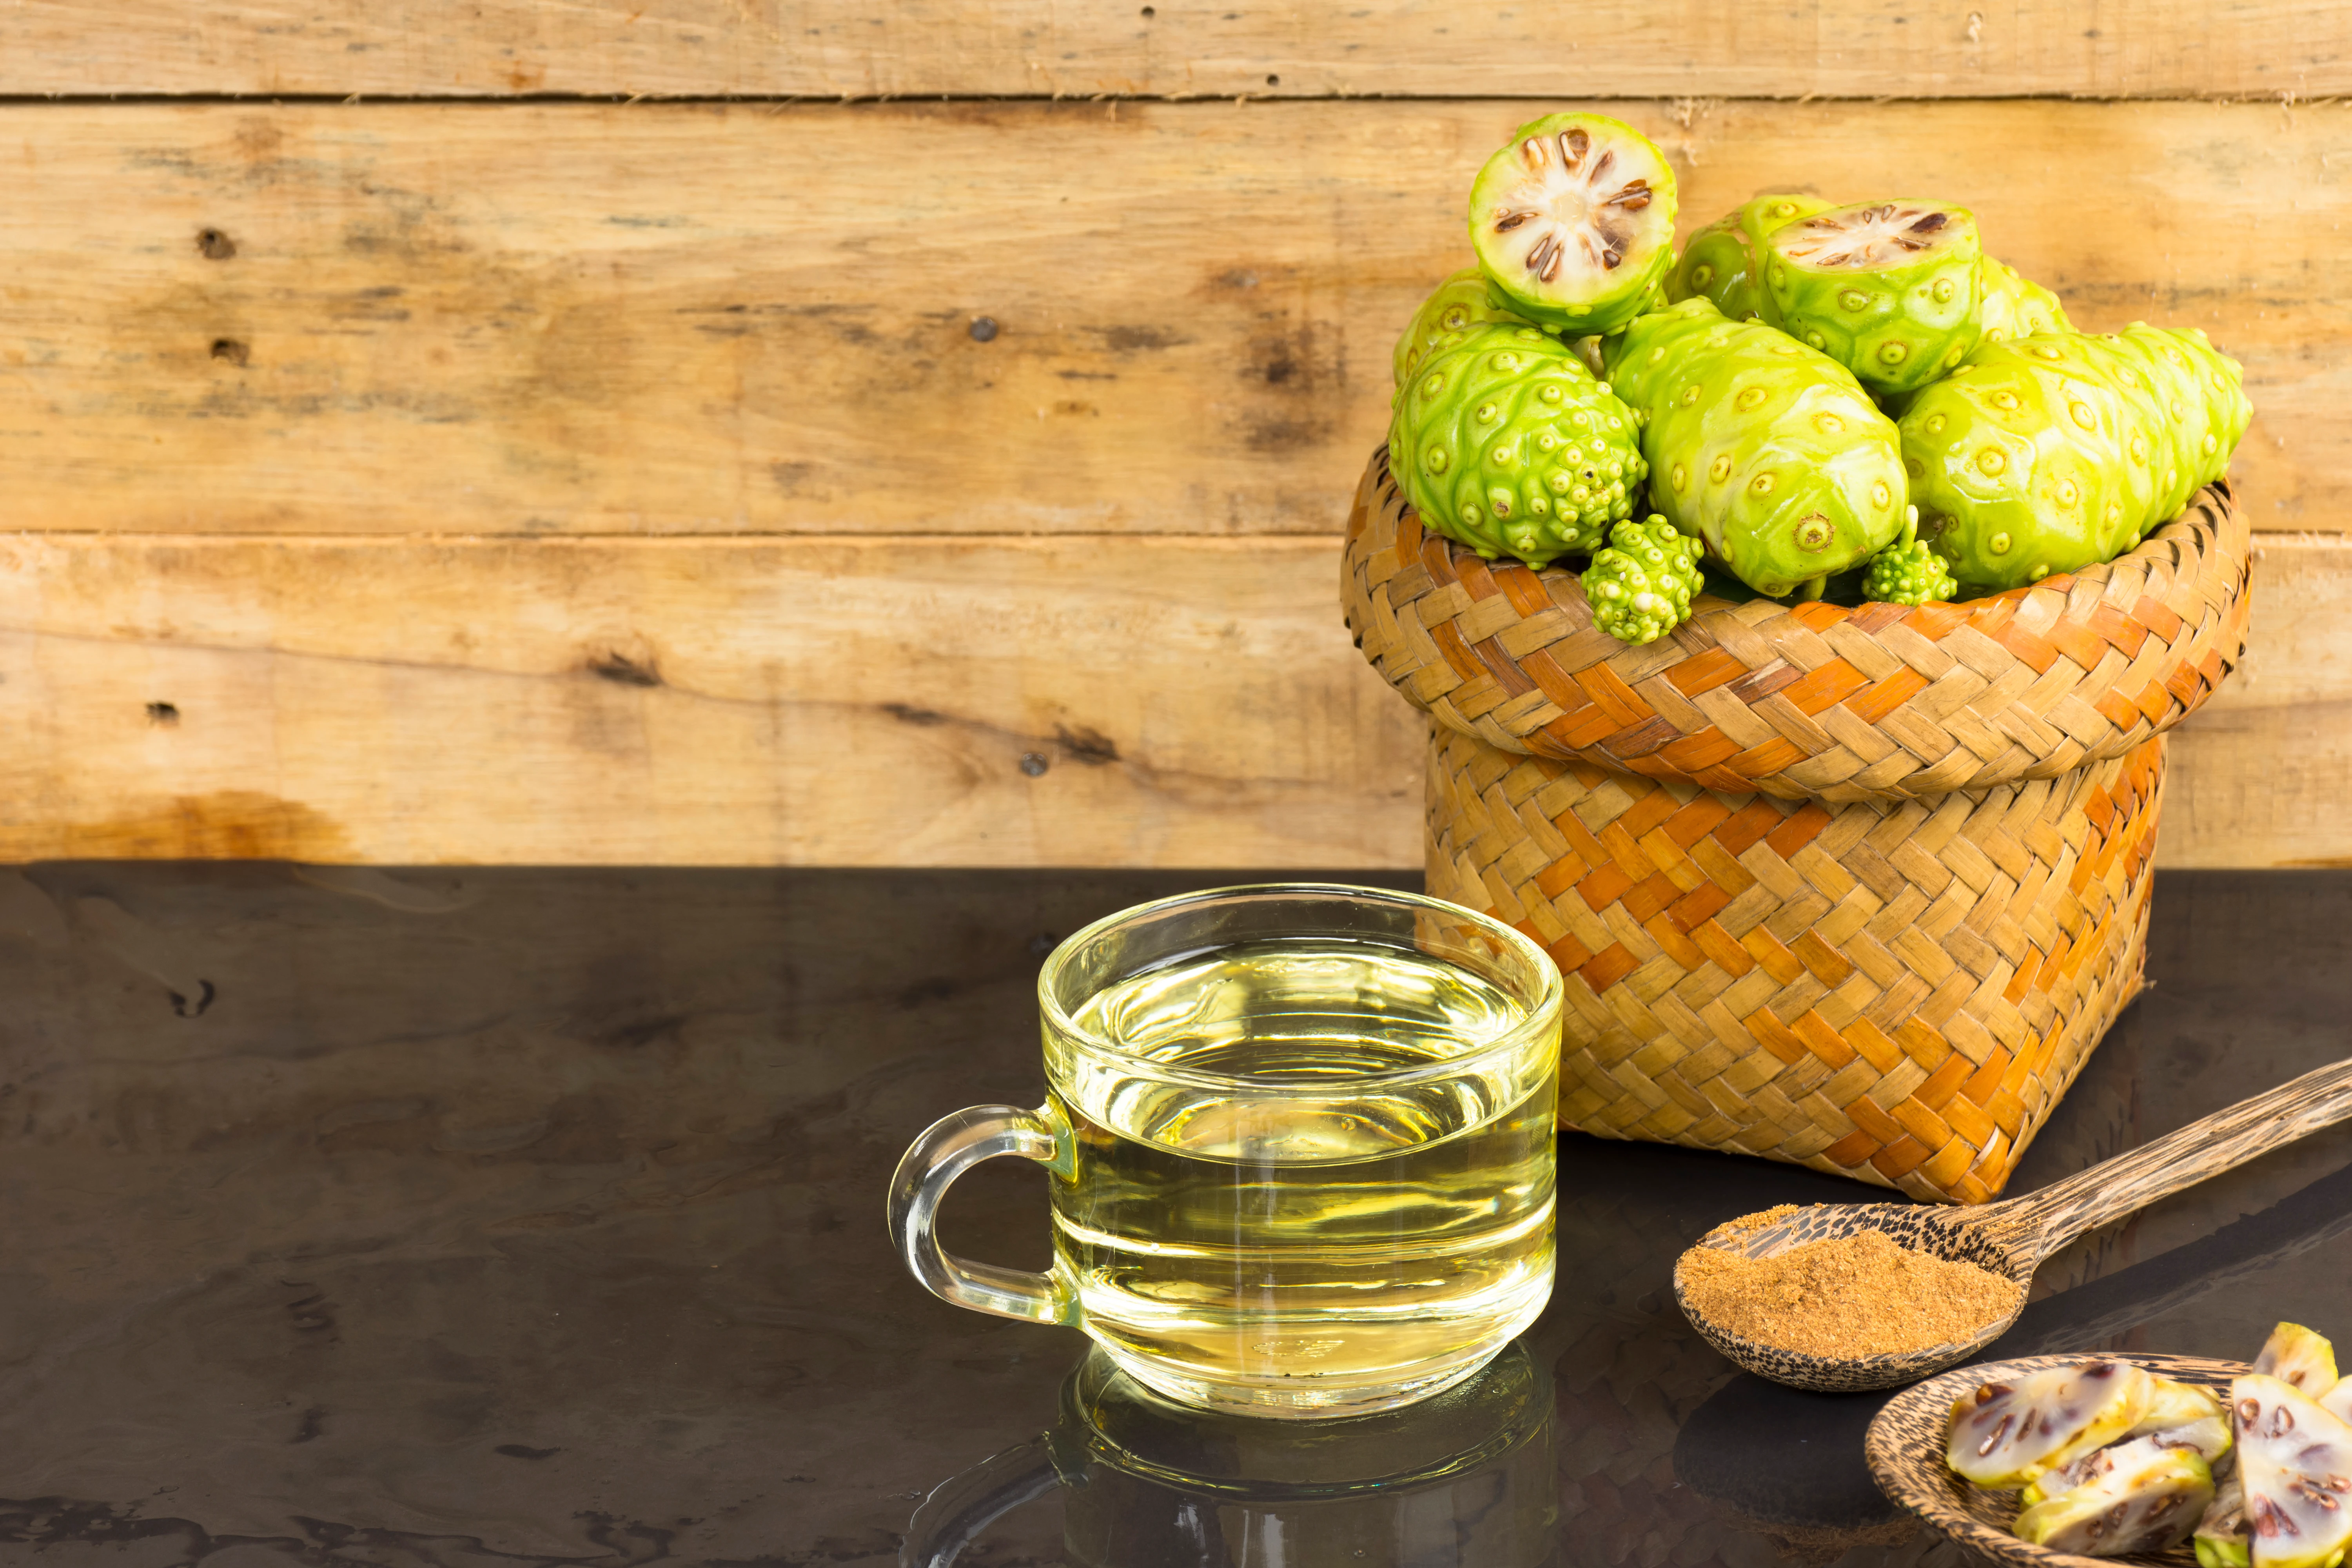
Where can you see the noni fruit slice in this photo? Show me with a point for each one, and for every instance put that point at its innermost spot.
(2032, 457)
(1505, 442)
(1574, 221)
(2010, 305)
(2146, 1498)
(1640, 585)
(2220, 1538)
(1766, 452)
(1909, 572)
(2196, 404)
(1724, 261)
(2302, 1360)
(1888, 289)
(1462, 301)
(2294, 1460)
(2005, 1434)
(2207, 1438)
(2173, 1405)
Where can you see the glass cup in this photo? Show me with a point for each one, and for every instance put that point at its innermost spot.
(1301, 1142)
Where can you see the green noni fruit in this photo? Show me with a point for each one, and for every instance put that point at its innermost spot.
(1888, 289)
(2200, 399)
(2062, 449)
(1724, 261)
(1909, 572)
(1505, 442)
(1464, 300)
(1574, 221)
(2010, 305)
(1639, 584)
(1766, 452)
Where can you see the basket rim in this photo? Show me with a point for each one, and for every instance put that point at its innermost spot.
(1809, 699)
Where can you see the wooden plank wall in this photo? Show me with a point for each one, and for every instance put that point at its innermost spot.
(780, 431)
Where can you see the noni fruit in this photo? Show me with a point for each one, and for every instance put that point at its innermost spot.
(2072, 1409)
(2200, 405)
(1505, 442)
(2302, 1360)
(2057, 450)
(1464, 300)
(1888, 289)
(2010, 305)
(1909, 572)
(2220, 1538)
(1724, 261)
(2147, 1498)
(1639, 584)
(1766, 452)
(2294, 1461)
(1574, 221)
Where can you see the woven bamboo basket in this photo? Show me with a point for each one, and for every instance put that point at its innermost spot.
(1858, 889)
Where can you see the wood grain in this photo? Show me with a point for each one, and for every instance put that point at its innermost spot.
(1849, 49)
(864, 702)
(591, 318)
(1194, 702)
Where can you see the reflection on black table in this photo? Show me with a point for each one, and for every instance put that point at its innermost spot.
(535, 1217)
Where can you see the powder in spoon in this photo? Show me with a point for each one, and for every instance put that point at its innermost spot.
(1845, 1297)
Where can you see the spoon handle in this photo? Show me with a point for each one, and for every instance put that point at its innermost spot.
(2205, 1147)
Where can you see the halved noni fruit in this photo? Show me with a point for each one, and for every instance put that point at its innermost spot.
(1574, 221)
(1888, 289)
(2005, 1434)
(2294, 1460)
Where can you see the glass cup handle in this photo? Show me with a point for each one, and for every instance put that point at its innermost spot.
(947, 1149)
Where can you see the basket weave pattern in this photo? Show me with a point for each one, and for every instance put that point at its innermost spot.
(1857, 889)
(1882, 701)
(1894, 991)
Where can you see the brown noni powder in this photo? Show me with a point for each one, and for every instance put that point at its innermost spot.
(1848, 1296)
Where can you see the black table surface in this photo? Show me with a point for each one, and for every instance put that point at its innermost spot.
(454, 1217)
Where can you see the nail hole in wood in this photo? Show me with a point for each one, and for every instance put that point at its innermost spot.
(1034, 763)
(216, 245)
(164, 714)
(1273, 81)
(984, 329)
(231, 350)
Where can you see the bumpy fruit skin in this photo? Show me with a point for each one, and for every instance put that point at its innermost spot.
(2199, 403)
(1907, 572)
(1462, 301)
(1724, 261)
(2054, 452)
(1767, 452)
(1632, 281)
(1640, 586)
(2147, 1498)
(1505, 442)
(1897, 326)
(2294, 1460)
(2076, 1409)
(2010, 305)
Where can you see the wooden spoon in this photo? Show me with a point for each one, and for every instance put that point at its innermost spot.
(2012, 1237)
